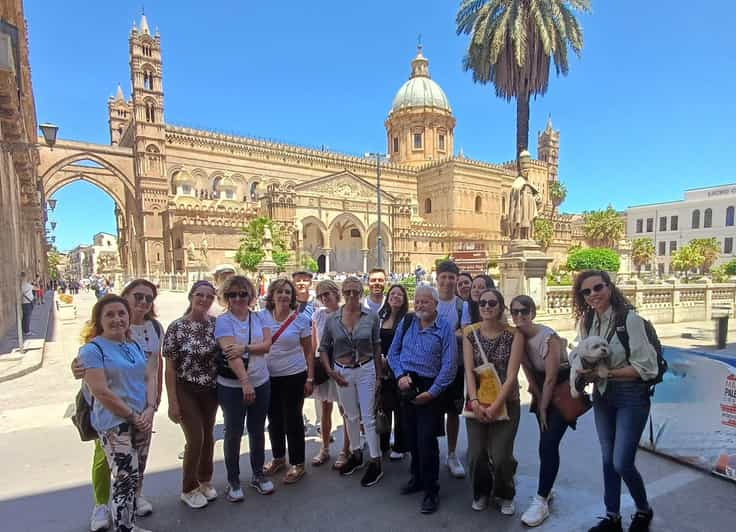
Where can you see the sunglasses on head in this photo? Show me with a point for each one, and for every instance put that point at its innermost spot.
(585, 292)
(490, 302)
(523, 311)
(351, 292)
(242, 294)
(140, 297)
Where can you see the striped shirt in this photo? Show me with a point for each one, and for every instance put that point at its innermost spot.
(428, 352)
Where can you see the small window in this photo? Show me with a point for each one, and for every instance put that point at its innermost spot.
(729, 216)
(662, 223)
(427, 206)
(650, 225)
(728, 245)
(640, 225)
(158, 257)
(396, 144)
(662, 248)
(478, 204)
(673, 223)
(354, 233)
(417, 141)
(708, 218)
(441, 142)
(186, 189)
(696, 219)
(229, 194)
(660, 268)
(673, 247)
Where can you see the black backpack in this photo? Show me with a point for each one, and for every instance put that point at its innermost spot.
(82, 417)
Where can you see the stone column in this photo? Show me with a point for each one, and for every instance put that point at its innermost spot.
(364, 252)
(389, 261)
(708, 299)
(327, 258)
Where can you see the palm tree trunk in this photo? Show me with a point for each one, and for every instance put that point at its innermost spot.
(522, 122)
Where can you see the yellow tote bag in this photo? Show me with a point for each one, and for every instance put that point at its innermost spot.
(488, 385)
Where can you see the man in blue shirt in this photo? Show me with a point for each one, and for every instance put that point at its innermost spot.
(424, 360)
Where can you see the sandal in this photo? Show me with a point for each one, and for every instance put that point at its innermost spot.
(274, 466)
(321, 458)
(294, 474)
(341, 459)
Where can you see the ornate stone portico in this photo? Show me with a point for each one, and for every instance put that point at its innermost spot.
(176, 188)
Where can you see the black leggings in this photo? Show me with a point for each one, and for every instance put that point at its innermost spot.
(285, 421)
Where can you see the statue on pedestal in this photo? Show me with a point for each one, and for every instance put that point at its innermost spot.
(204, 248)
(267, 244)
(524, 203)
(191, 252)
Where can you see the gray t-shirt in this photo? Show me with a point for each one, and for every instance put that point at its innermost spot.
(124, 364)
(371, 306)
(229, 325)
(448, 310)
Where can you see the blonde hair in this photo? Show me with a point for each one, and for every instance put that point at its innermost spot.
(329, 286)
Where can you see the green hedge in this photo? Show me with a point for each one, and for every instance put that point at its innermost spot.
(730, 267)
(593, 259)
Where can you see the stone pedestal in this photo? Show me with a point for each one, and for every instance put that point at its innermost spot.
(524, 271)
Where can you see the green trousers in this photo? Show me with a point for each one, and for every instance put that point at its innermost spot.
(100, 475)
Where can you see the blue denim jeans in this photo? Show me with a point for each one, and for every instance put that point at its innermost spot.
(549, 450)
(234, 412)
(621, 414)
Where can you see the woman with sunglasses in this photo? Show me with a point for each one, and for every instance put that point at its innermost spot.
(393, 311)
(621, 401)
(491, 441)
(545, 352)
(146, 330)
(243, 387)
(290, 365)
(325, 394)
(471, 312)
(191, 369)
(122, 382)
(352, 336)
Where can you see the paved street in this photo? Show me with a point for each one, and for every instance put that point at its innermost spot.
(47, 474)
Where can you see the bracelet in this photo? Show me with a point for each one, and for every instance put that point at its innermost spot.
(476, 400)
(310, 380)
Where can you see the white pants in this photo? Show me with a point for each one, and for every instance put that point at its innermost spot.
(357, 400)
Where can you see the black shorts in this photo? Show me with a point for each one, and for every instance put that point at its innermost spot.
(453, 396)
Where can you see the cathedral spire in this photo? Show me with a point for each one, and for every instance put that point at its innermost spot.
(420, 65)
(548, 129)
(119, 94)
(144, 24)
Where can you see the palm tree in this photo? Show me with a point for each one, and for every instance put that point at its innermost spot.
(603, 228)
(512, 43)
(557, 195)
(642, 252)
(710, 249)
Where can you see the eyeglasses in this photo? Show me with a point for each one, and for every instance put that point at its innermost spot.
(585, 292)
(323, 295)
(140, 297)
(490, 302)
(243, 294)
(351, 293)
(520, 311)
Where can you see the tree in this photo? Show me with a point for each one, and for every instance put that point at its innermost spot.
(557, 194)
(730, 267)
(710, 249)
(642, 252)
(593, 259)
(513, 42)
(309, 264)
(603, 228)
(53, 259)
(250, 253)
(687, 258)
(543, 232)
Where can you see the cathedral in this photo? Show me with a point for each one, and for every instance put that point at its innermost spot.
(187, 193)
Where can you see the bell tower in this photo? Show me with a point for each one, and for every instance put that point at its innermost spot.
(119, 115)
(548, 148)
(149, 145)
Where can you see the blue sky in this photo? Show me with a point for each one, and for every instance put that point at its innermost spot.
(644, 114)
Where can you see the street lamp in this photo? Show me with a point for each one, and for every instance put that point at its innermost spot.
(379, 239)
(52, 204)
(49, 132)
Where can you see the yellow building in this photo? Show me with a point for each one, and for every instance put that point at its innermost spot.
(183, 195)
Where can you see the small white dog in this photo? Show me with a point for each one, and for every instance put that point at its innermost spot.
(591, 353)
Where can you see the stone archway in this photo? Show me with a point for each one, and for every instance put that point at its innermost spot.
(347, 240)
(372, 247)
(314, 237)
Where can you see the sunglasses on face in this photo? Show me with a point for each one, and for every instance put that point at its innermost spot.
(243, 294)
(523, 311)
(353, 293)
(585, 292)
(490, 302)
(140, 297)
(323, 295)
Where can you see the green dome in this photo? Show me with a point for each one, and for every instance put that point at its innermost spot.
(420, 90)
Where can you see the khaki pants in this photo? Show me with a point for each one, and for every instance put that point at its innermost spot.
(491, 454)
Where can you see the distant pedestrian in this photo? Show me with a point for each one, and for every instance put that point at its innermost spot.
(27, 298)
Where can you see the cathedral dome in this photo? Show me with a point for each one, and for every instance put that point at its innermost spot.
(420, 90)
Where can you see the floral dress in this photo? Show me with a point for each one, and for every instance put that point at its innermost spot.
(191, 345)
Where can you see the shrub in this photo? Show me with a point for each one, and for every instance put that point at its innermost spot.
(730, 267)
(410, 283)
(593, 259)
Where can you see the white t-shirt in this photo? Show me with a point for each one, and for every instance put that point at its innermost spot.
(286, 356)
(448, 310)
(228, 325)
(370, 306)
(27, 289)
(319, 318)
(146, 336)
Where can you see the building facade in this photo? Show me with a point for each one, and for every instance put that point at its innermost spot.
(22, 212)
(98, 258)
(703, 213)
(183, 195)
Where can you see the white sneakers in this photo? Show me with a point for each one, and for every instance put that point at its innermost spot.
(480, 504)
(394, 456)
(537, 512)
(142, 507)
(455, 466)
(101, 518)
(208, 491)
(194, 499)
(507, 506)
(234, 494)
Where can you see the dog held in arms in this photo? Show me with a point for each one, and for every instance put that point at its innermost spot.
(591, 353)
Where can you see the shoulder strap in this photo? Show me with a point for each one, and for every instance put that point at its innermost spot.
(459, 308)
(284, 325)
(622, 333)
(408, 319)
(102, 353)
(157, 327)
(480, 347)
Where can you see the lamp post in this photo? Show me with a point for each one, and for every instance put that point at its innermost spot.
(379, 238)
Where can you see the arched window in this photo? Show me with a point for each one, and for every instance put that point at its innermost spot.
(729, 216)
(427, 206)
(708, 218)
(216, 187)
(478, 204)
(696, 219)
(254, 191)
(148, 80)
